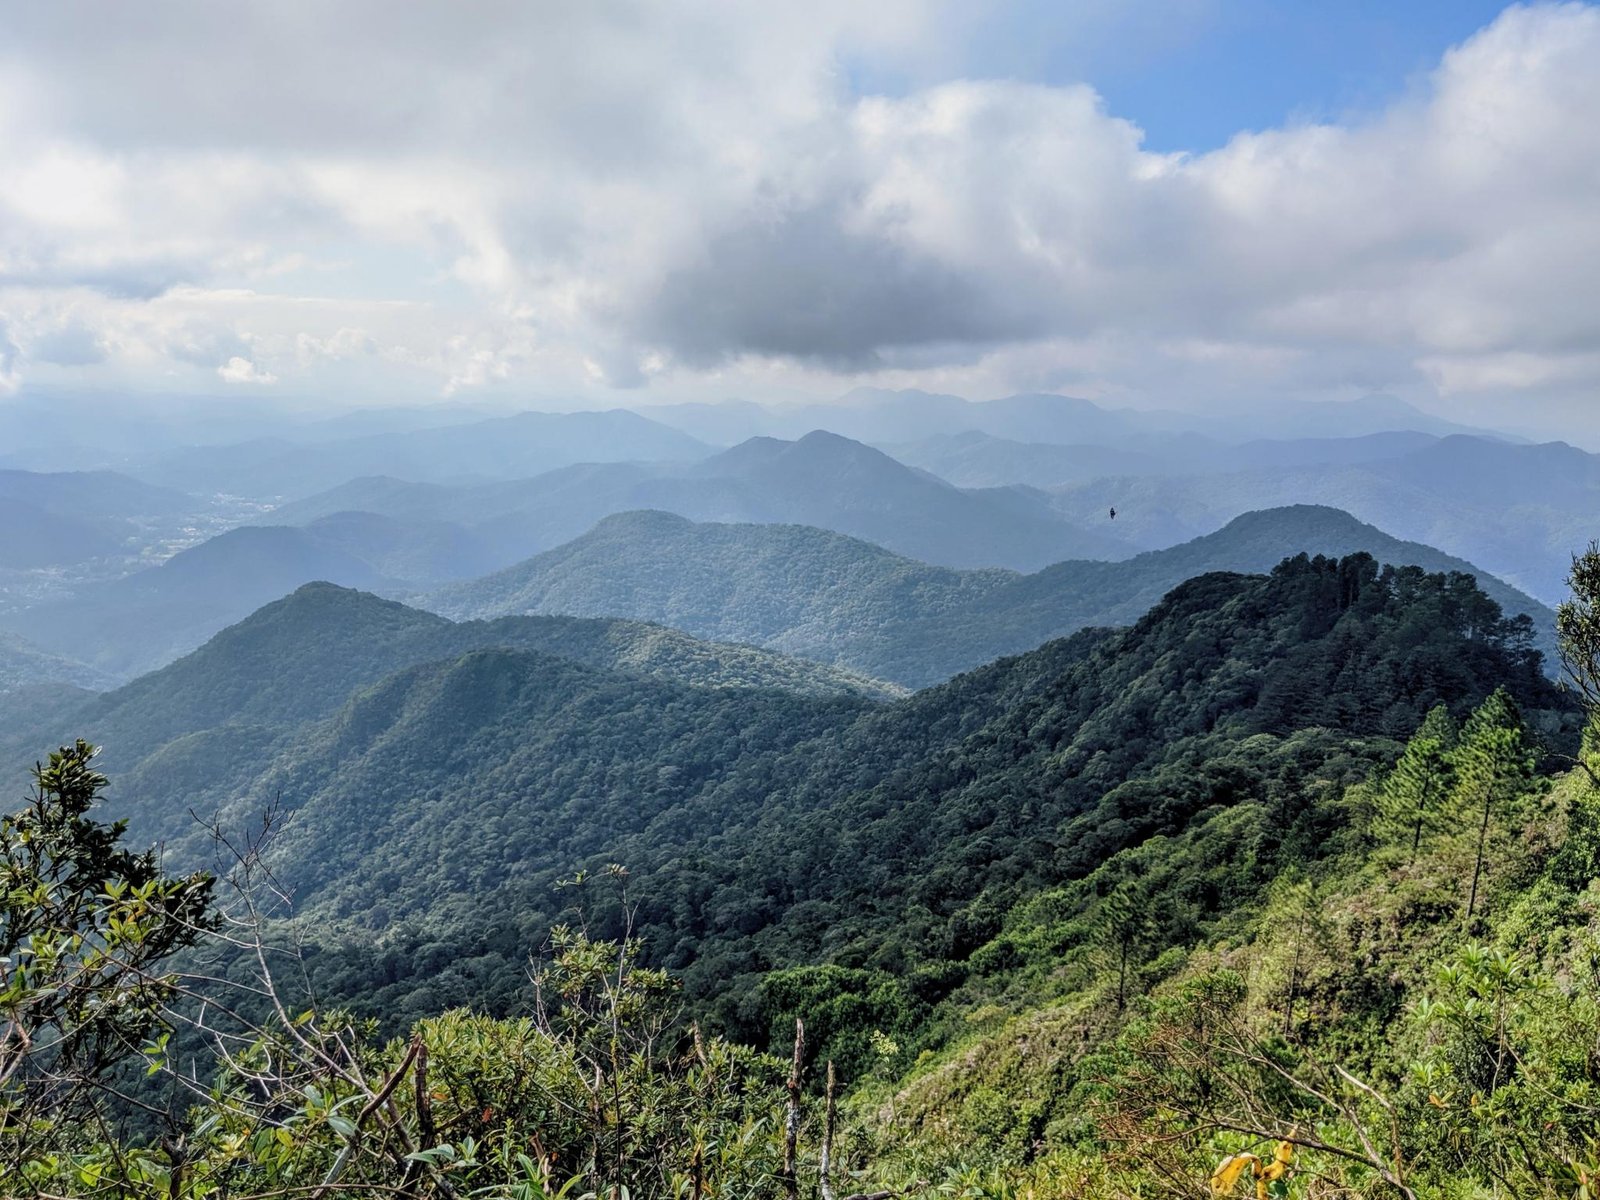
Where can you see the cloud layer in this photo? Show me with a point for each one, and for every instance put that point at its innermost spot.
(571, 198)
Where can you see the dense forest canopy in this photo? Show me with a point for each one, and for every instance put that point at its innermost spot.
(1067, 839)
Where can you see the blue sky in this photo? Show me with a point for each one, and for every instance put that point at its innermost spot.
(1192, 73)
(1255, 64)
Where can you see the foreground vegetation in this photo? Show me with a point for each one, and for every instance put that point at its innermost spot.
(1289, 891)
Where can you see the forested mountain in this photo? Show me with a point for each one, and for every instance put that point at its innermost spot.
(443, 801)
(299, 658)
(822, 479)
(511, 447)
(1062, 827)
(1520, 511)
(805, 591)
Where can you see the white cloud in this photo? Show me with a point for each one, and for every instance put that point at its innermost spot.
(686, 196)
(241, 370)
(9, 379)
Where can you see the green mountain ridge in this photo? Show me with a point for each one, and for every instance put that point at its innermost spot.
(441, 803)
(297, 660)
(836, 599)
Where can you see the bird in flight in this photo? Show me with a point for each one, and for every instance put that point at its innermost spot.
(1113, 514)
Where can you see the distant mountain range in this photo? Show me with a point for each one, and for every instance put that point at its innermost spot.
(822, 479)
(838, 599)
(127, 626)
(513, 447)
(881, 415)
(404, 538)
(1518, 511)
(974, 459)
(399, 538)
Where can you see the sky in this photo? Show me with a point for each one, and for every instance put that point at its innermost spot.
(1157, 203)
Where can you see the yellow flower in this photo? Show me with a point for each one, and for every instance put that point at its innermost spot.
(1230, 1169)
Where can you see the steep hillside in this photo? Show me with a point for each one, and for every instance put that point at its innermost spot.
(808, 592)
(298, 659)
(1035, 916)
(766, 829)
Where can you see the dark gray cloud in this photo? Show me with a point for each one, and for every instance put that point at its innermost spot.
(804, 287)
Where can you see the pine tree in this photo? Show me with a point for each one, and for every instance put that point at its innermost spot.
(1125, 926)
(1411, 801)
(1493, 762)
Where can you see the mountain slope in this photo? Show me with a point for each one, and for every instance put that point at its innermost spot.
(138, 623)
(808, 592)
(1074, 595)
(442, 804)
(35, 537)
(298, 659)
(792, 587)
(92, 494)
(835, 483)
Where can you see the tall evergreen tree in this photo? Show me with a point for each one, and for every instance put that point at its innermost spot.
(1125, 927)
(1493, 762)
(1411, 801)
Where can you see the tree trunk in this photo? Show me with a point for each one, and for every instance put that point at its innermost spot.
(827, 1139)
(1477, 866)
(1122, 977)
(791, 1124)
